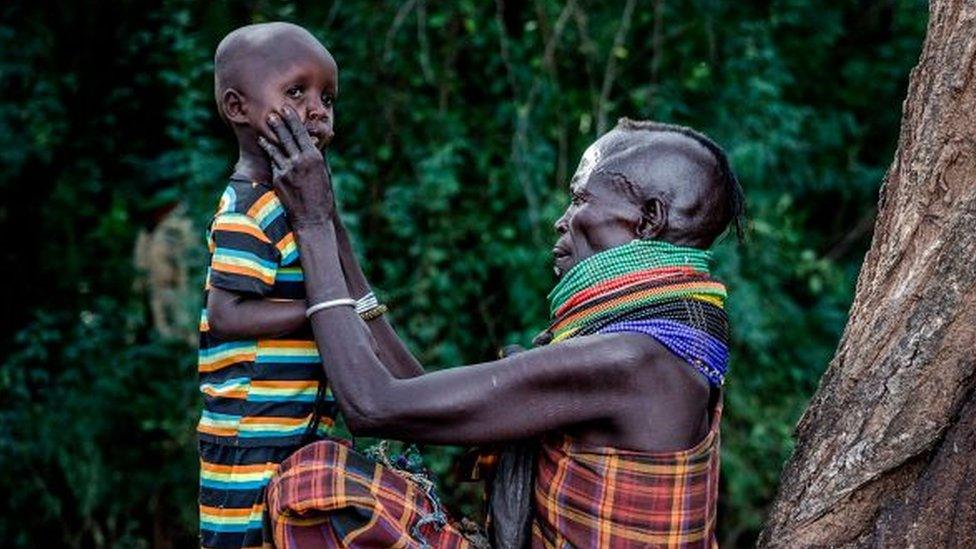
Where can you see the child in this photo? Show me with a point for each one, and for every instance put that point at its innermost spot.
(261, 377)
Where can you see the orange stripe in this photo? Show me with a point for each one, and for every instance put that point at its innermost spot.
(224, 362)
(284, 384)
(220, 468)
(631, 297)
(251, 230)
(606, 505)
(260, 203)
(288, 239)
(231, 511)
(217, 431)
(236, 393)
(286, 344)
(237, 269)
(289, 421)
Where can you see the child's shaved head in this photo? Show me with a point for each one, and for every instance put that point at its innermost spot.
(248, 54)
(261, 69)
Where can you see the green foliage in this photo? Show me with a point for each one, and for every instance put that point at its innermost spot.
(458, 127)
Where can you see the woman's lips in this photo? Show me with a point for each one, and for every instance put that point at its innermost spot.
(560, 258)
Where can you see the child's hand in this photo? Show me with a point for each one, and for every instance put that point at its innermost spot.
(301, 180)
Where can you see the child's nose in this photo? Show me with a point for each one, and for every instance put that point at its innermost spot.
(316, 110)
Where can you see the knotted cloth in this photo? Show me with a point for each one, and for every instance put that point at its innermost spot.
(588, 496)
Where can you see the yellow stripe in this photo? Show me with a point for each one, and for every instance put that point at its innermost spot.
(237, 477)
(231, 516)
(287, 344)
(239, 223)
(263, 206)
(224, 260)
(606, 504)
(282, 391)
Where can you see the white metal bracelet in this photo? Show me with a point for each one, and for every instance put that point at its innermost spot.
(329, 304)
(366, 303)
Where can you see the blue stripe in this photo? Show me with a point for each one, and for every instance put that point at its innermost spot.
(231, 195)
(226, 383)
(276, 398)
(223, 347)
(292, 255)
(220, 417)
(286, 276)
(264, 433)
(214, 527)
(246, 255)
(281, 359)
(224, 485)
(271, 217)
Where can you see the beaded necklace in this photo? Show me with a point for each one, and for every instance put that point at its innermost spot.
(650, 287)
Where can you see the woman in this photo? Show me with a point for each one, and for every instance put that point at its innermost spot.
(624, 396)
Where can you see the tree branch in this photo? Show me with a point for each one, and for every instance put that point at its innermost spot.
(610, 74)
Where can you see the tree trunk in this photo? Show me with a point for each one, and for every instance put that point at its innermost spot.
(886, 452)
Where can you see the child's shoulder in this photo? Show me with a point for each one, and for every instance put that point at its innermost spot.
(255, 204)
(244, 197)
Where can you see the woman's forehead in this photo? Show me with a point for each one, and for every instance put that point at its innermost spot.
(597, 153)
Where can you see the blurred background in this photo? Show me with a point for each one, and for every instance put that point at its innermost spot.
(458, 126)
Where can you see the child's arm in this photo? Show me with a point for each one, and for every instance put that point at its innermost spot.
(237, 310)
(399, 361)
(235, 316)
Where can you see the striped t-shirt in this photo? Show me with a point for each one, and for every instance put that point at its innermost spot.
(257, 392)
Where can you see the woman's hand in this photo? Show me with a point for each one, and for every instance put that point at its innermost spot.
(301, 180)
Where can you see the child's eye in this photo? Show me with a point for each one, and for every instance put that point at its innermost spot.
(294, 92)
(328, 100)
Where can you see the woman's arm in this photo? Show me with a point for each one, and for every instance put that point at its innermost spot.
(235, 316)
(574, 382)
(393, 353)
(523, 395)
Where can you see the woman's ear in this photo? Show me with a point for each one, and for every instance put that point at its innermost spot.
(654, 219)
(234, 105)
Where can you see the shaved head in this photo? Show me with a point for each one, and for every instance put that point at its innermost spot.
(248, 53)
(677, 165)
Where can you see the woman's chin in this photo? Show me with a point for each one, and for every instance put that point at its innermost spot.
(561, 264)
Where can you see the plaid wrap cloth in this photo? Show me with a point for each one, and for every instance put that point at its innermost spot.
(603, 497)
(328, 495)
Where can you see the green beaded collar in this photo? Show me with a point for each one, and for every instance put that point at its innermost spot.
(636, 255)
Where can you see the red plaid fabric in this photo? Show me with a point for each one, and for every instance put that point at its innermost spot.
(328, 495)
(603, 497)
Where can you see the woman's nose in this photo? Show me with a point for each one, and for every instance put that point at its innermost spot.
(561, 224)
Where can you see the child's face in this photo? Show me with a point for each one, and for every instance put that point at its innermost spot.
(308, 82)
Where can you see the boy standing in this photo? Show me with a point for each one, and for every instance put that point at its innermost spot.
(260, 374)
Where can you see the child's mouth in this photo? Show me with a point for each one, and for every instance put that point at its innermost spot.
(320, 138)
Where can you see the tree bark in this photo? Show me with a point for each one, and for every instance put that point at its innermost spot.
(886, 452)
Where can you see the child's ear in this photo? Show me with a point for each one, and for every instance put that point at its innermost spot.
(234, 105)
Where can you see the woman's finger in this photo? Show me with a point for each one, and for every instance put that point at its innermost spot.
(298, 130)
(277, 158)
(284, 135)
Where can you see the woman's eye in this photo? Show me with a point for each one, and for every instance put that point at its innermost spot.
(294, 92)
